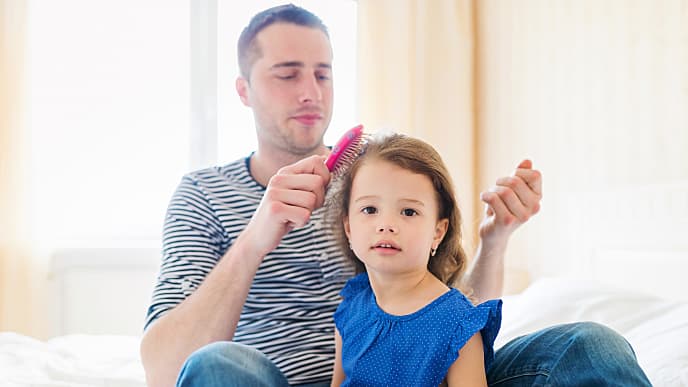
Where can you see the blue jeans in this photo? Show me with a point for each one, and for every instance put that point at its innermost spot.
(226, 363)
(579, 354)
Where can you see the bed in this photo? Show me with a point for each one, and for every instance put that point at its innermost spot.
(657, 329)
(646, 301)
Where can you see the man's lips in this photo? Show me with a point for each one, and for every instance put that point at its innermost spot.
(308, 119)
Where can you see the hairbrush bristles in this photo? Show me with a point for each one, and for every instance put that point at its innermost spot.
(346, 150)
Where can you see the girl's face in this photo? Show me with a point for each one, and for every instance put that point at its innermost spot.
(393, 222)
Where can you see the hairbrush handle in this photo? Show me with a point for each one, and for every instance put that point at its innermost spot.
(340, 148)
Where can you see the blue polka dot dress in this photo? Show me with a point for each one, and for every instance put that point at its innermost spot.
(380, 349)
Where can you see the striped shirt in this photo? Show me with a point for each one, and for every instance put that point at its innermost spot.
(288, 312)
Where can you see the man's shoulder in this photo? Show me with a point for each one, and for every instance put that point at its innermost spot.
(232, 175)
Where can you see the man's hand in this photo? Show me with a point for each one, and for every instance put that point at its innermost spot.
(510, 203)
(291, 196)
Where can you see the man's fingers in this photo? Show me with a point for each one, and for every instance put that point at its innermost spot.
(292, 216)
(313, 165)
(531, 176)
(526, 195)
(512, 202)
(496, 206)
(300, 183)
(525, 164)
(309, 174)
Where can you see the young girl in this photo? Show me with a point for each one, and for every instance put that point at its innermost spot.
(400, 322)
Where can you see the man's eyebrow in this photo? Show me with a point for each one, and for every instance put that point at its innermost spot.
(287, 64)
(298, 64)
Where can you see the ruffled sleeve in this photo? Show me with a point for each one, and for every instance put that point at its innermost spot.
(355, 285)
(350, 307)
(485, 318)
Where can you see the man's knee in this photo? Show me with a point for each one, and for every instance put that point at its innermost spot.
(599, 338)
(582, 353)
(225, 362)
(219, 353)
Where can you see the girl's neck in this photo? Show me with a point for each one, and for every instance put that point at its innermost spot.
(405, 294)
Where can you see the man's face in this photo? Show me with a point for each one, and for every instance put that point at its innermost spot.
(290, 89)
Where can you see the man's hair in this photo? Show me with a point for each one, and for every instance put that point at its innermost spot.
(247, 48)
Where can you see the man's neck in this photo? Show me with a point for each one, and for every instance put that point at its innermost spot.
(265, 164)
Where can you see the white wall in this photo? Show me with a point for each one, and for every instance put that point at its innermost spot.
(101, 290)
(596, 93)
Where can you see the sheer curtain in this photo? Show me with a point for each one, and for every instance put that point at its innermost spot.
(94, 111)
(16, 263)
(416, 76)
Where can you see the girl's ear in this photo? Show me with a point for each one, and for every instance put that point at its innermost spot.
(347, 228)
(440, 231)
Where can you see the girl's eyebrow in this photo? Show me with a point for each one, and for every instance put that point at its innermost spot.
(414, 201)
(403, 200)
(367, 197)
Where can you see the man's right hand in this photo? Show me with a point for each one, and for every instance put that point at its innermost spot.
(291, 196)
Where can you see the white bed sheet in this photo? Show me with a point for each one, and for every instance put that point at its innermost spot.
(72, 360)
(657, 329)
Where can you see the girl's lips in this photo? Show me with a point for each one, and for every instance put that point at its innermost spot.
(385, 250)
(386, 247)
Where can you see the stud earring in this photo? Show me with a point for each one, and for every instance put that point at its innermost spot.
(433, 251)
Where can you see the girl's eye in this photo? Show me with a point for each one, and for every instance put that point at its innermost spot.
(369, 210)
(409, 212)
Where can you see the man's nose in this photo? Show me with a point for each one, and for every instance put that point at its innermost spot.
(310, 90)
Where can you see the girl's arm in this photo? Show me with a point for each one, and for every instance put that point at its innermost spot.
(469, 368)
(338, 373)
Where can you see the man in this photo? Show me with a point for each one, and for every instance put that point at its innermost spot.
(251, 273)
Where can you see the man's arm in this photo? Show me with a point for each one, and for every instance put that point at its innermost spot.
(509, 204)
(337, 372)
(212, 312)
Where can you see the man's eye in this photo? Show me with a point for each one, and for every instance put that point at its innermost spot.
(286, 76)
(369, 210)
(409, 212)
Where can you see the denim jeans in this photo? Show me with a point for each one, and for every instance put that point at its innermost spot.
(579, 354)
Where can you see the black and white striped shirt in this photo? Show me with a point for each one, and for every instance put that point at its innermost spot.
(288, 312)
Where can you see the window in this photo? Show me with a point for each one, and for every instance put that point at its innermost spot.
(108, 116)
(113, 94)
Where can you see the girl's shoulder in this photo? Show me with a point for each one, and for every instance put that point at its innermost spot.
(356, 285)
(485, 318)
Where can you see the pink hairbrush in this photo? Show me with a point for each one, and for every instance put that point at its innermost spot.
(346, 150)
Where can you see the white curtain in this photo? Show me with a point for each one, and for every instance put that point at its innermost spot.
(20, 280)
(416, 66)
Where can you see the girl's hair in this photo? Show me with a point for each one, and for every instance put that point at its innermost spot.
(417, 156)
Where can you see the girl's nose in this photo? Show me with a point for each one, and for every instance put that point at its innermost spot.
(386, 228)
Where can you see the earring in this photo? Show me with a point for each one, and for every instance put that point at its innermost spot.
(433, 250)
